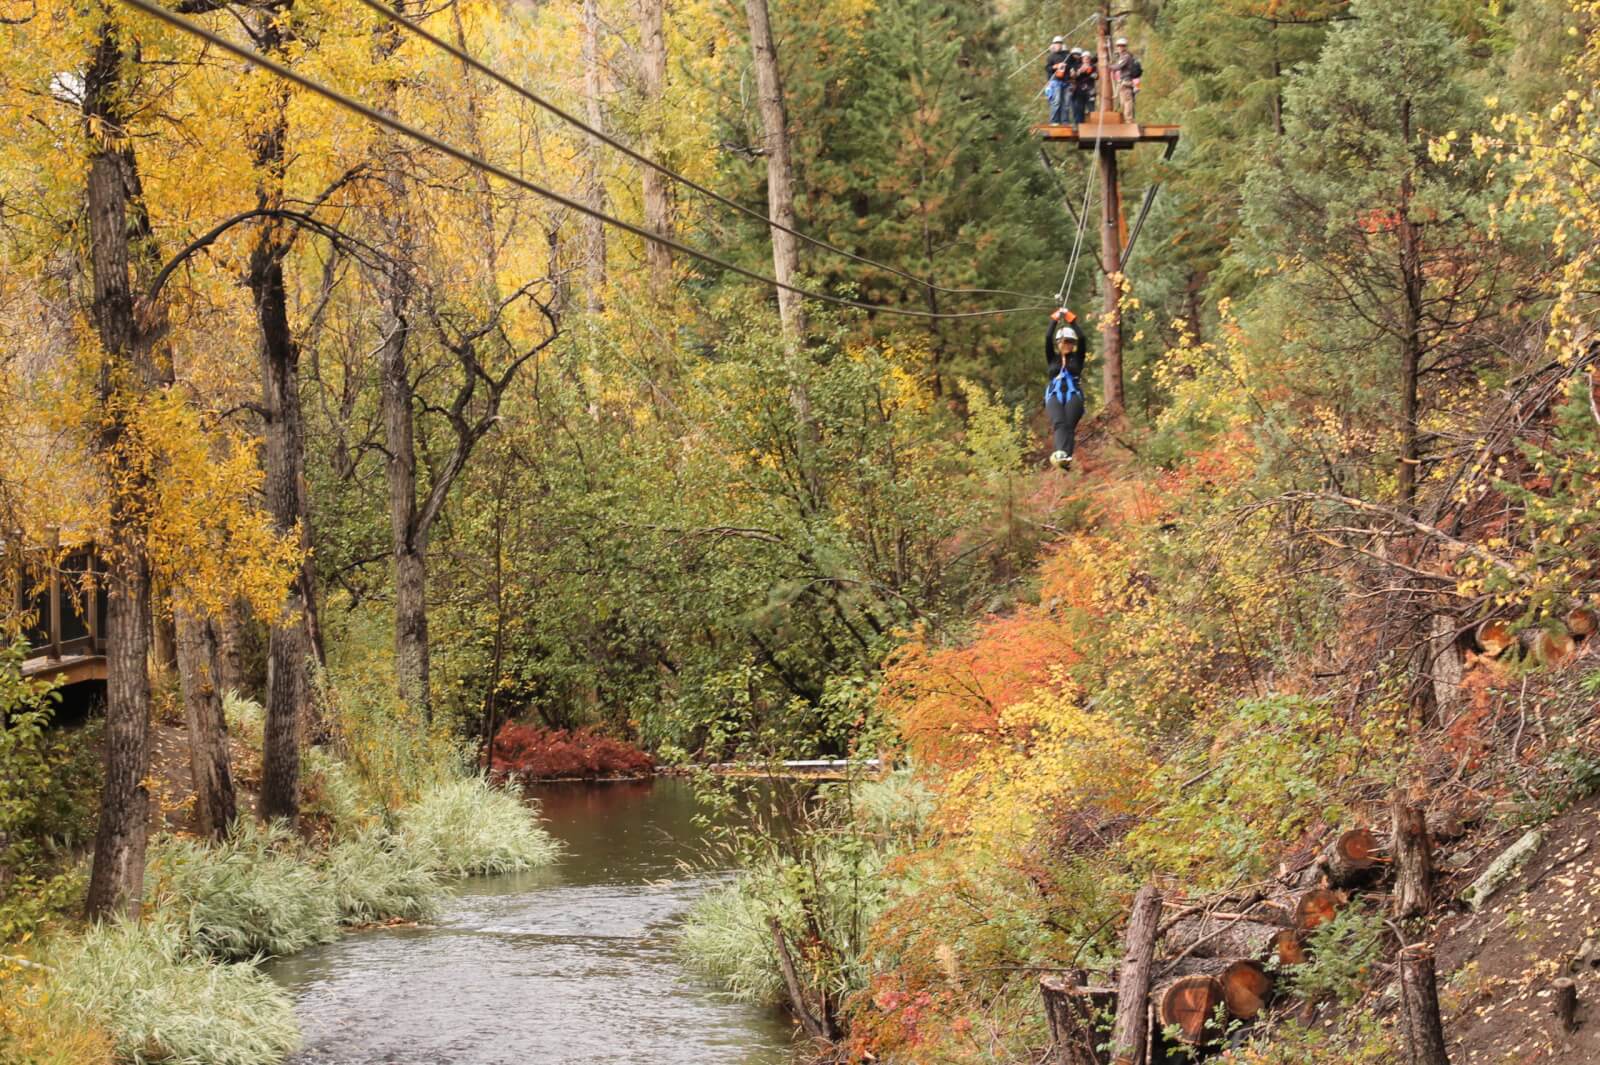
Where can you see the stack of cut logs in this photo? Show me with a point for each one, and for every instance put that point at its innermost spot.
(1214, 961)
(1551, 643)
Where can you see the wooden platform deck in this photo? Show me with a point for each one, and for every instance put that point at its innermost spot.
(1108, 128)
(68, 669)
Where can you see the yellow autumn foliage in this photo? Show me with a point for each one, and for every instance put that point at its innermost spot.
(1053, 755)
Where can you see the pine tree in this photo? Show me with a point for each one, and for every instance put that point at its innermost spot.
(1381, 242)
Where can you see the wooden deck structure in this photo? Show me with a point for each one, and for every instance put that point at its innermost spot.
(1109, 130)
(63, 597)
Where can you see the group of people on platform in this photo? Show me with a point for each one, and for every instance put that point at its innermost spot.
(1072, 79)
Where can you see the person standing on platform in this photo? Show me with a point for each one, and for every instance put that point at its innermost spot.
(1126, 70)
(1084, 77)
(1058, 83)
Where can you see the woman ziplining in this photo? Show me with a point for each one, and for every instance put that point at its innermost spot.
(1065, 350)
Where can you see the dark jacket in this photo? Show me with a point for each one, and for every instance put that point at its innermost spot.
(1074, 360)
(1054, 59)
(1084, 78)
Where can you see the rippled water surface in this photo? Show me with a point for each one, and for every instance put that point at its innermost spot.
(570, 964)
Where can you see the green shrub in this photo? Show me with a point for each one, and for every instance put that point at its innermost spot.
(823, 877)
(160, 1003)
(49, 780)
(253, 894)
(467, 828)
(1342, 953)
(374, 877)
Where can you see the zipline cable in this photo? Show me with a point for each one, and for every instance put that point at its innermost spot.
(1046, 48)
(395, 125)
(1064, 293)
(396, 18)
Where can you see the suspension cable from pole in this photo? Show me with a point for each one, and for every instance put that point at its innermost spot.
(1064, 293)
(384, 11)
(395, 125)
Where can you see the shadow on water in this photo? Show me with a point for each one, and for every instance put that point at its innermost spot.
(569, 964)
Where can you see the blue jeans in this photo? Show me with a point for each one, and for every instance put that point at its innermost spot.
(1061, 108)
(1079, 107)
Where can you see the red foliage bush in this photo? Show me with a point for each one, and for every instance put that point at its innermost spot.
(533, 753)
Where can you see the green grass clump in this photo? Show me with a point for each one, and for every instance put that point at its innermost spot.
(253, 894)
(160, 1003)
(726, 939)
(246, 718)
(374, 877)
(468, 828)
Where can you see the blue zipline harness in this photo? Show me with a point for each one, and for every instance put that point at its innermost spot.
(1061, 388)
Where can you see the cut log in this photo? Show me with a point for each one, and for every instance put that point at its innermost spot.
(1352, 858)
(1553, 648)
(1213, 936)
(1133, 983)
(1289, 946)
(1494, 636)
(1419, 1001)
(1582, 621)
(1189, 1004)
(1565, 1006)
(1413, 860)
(1317, 907)
(1503, 868)
(1246, 987)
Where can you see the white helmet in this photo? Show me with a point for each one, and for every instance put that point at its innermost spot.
(1056, 40)
(1122, 41)
(1066, 332)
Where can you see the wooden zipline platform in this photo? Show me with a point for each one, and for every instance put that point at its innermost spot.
(1108, 129)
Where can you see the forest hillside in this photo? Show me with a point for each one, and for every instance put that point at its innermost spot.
(405, 403)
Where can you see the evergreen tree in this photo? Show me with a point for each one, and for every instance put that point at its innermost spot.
(1380, 243)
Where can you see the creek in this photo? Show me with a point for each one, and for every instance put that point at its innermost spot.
(574, 963)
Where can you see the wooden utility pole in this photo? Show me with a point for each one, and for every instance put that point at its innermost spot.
(1106, 132)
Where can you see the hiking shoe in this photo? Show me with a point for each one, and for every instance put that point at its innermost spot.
(1061, 460)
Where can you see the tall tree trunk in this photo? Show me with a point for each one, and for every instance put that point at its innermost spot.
(290, 644)
(215, 805)
(780, 170)
(127, 372)
(1411, 338)
(594, 194)
(657, 190)
(408, 544)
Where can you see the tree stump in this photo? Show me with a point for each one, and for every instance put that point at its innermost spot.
(1565, 1006)
(1413, 860)
(1133, 984)
(1352, 858)
(1419, 1000)
(1246, 987)
(1070, 1015)
(1189, 1003)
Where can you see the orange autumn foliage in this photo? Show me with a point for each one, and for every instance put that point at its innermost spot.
(948, 700)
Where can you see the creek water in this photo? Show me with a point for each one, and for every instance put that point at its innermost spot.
(569, 964)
